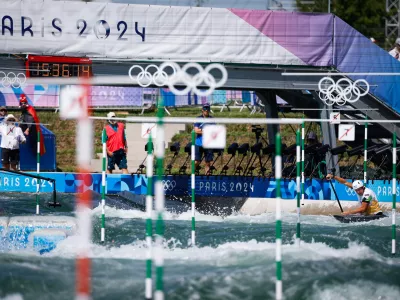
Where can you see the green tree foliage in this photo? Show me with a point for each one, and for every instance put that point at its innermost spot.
(200, 3)
(367, 16)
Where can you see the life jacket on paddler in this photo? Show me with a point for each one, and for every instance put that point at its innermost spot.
(115, 138)
(369, 197)
(23, 102)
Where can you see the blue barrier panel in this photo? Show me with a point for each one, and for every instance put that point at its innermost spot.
(48, 161)
(179, 185)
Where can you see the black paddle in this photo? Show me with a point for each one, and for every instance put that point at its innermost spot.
(330, 181)
(337, 198)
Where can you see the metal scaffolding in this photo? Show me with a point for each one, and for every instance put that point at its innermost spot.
(392, 23)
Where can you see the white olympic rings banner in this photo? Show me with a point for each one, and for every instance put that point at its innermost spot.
(12, 79)
(180, 77)
(169, 185)
(342, 91)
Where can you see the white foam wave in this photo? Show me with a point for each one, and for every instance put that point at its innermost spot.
(13, 297)
(225, 254)
(265, 218)
(357, 289)
(112, 212)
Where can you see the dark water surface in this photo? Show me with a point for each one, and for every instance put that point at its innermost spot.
(234, 257)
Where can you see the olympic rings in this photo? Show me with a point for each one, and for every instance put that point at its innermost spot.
(169, 185)
(342, 91)
(12, 79)
(191, 82)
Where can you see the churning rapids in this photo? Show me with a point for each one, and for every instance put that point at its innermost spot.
(234, 257)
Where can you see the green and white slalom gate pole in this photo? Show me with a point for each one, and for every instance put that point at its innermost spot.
(193, 184)
(298, 186)
(149, 222)
(37, 171)
(278, 250)
(159, 195)
(365, 150)
(302, 163)
(394, 194)
(103, 187)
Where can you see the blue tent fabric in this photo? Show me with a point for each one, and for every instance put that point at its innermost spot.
(246, 97)
(168, 97)
(355, 53)
(219, 97)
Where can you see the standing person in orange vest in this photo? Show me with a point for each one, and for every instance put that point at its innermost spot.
(116, 144)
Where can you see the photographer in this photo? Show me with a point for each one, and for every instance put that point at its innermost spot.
(199, 150)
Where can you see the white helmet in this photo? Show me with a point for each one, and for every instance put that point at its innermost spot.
(357, 184)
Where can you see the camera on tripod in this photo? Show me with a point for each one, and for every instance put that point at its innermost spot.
(257, 129)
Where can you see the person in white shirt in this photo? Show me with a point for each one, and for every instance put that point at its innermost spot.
(395, 52)
(11, 137)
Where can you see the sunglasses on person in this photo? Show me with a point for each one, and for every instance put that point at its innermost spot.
(3, 109)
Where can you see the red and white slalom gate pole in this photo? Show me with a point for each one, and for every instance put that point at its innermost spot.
(84, 145)
(37, 168)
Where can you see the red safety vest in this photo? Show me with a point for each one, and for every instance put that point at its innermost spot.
(115, 139)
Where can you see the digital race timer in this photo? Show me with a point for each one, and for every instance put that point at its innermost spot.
(58, 66)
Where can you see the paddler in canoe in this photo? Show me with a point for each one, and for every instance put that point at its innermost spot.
(369, 204)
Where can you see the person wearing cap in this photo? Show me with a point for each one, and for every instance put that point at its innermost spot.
(199, 150)
(116, 145)
(395, 52)
(26, 118)
(11, 137)
(367, 199)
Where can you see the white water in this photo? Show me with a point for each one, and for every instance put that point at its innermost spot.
(250, 257)
(227, 253)
(13, 297)
(355, 290)
(266, 218)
